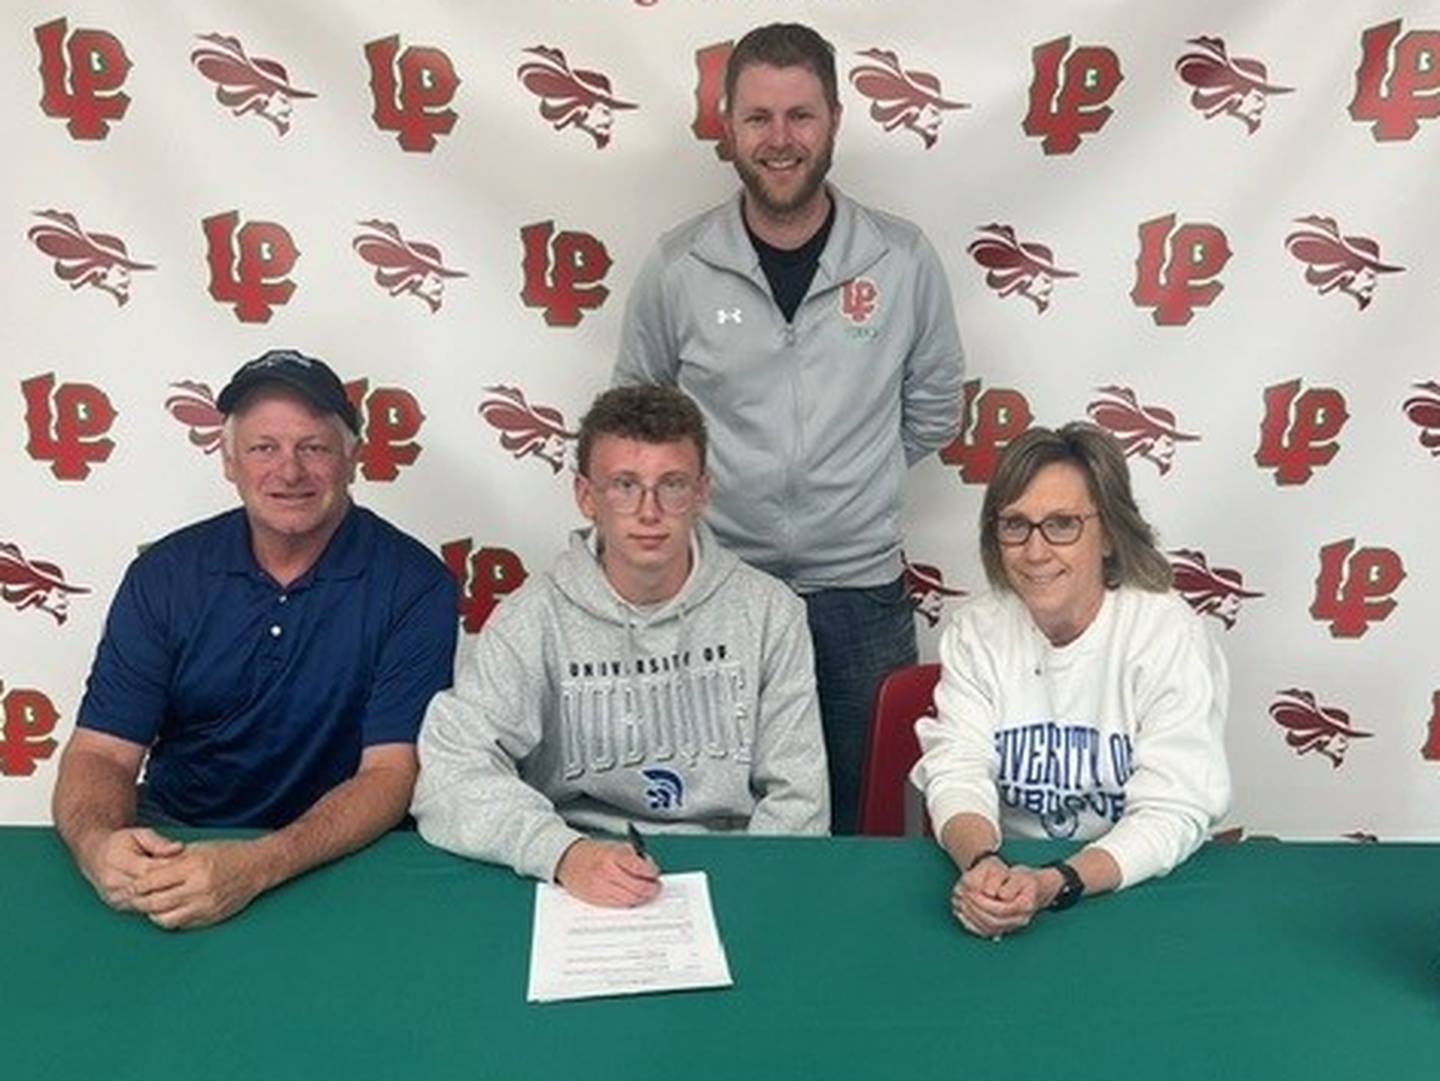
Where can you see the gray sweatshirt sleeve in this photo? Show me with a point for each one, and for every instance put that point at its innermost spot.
(788, 774)
(932, 391)
(469, 797)
(648, 353)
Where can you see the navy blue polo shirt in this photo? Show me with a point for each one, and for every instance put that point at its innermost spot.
(256, 700)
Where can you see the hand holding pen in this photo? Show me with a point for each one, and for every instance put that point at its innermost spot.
(610, 873)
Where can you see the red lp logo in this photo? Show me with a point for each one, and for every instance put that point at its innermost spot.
(989, 422)
(1065, 106)
(411, 93)
(483, 577)
(1431, 750)
(248, 265)
(1353, 590)
(1174, 266)
(709, 123)
(390, 418)
(66, 424)
(1411, 92)
(858, 299)
(562, 275)
(1299, 430)
(82, 78)
(29, 718)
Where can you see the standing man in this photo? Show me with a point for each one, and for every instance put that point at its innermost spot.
(818, 337)
(268, 666)
(649, 677)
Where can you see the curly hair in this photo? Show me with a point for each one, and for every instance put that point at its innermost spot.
(650, 413)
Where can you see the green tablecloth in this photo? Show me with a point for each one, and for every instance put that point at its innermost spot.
(1251, 961)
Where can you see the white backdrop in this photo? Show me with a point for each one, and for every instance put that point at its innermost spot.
(385, 193)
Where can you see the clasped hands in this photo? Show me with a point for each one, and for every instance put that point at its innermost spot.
(993, 899)
(175, 885)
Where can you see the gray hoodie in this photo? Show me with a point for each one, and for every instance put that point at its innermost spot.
(575, 710)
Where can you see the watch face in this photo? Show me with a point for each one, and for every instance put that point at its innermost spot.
(1071, 891)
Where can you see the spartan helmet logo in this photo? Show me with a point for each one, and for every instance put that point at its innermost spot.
(901, 98)
(666, 791)
(404, 266)
(1145, 430)
(33, 583)
(1347, 263)
(571, 98)
(527, 430)
(1311, 727)
(1224, 85)
(246, 85)
(1211, 591)
(83, 258)
(1015, 266)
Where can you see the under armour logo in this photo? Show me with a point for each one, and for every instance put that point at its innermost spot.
(727, 315)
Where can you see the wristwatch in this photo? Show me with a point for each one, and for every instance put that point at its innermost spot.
(1072, 890)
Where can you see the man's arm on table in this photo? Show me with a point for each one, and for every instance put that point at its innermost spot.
(94, 810)
(211, 880)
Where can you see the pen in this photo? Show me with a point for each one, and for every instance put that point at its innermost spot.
(636, 841)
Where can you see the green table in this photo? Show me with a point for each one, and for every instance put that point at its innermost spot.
(1252, 961)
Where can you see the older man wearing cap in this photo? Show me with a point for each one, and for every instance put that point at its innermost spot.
(268, 666)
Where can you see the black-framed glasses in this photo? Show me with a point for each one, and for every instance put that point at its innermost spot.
(675, 493)
(1013, 530)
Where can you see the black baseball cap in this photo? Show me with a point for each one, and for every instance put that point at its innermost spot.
(313, 378)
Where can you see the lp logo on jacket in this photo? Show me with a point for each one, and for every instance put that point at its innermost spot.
(859, 301)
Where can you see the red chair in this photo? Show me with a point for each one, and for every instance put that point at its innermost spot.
(905, 695)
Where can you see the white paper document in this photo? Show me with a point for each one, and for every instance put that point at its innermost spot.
(580, 950)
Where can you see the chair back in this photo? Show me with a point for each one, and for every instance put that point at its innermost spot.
(904, 695)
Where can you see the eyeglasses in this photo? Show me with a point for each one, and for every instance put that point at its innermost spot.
(675, 493)
(1013, 530)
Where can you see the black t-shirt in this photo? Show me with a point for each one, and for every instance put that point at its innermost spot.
(790, 270)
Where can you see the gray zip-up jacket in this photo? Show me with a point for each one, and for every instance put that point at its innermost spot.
(573, 711)
(812, 424)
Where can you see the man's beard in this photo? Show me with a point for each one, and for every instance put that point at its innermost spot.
(753, 178)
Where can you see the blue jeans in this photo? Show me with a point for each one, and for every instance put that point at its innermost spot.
(860, 635)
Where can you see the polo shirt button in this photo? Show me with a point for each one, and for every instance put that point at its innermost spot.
(275, 630)
(283, 597)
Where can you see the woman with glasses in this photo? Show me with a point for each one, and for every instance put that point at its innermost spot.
(1080, 699)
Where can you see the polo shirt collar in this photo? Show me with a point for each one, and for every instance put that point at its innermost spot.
(345, 556)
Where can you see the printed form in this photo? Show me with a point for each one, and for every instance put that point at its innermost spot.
(579, 950)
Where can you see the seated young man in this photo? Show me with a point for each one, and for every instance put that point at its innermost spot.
(650, 677)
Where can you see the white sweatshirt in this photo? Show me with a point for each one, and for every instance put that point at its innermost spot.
(1118, 735)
